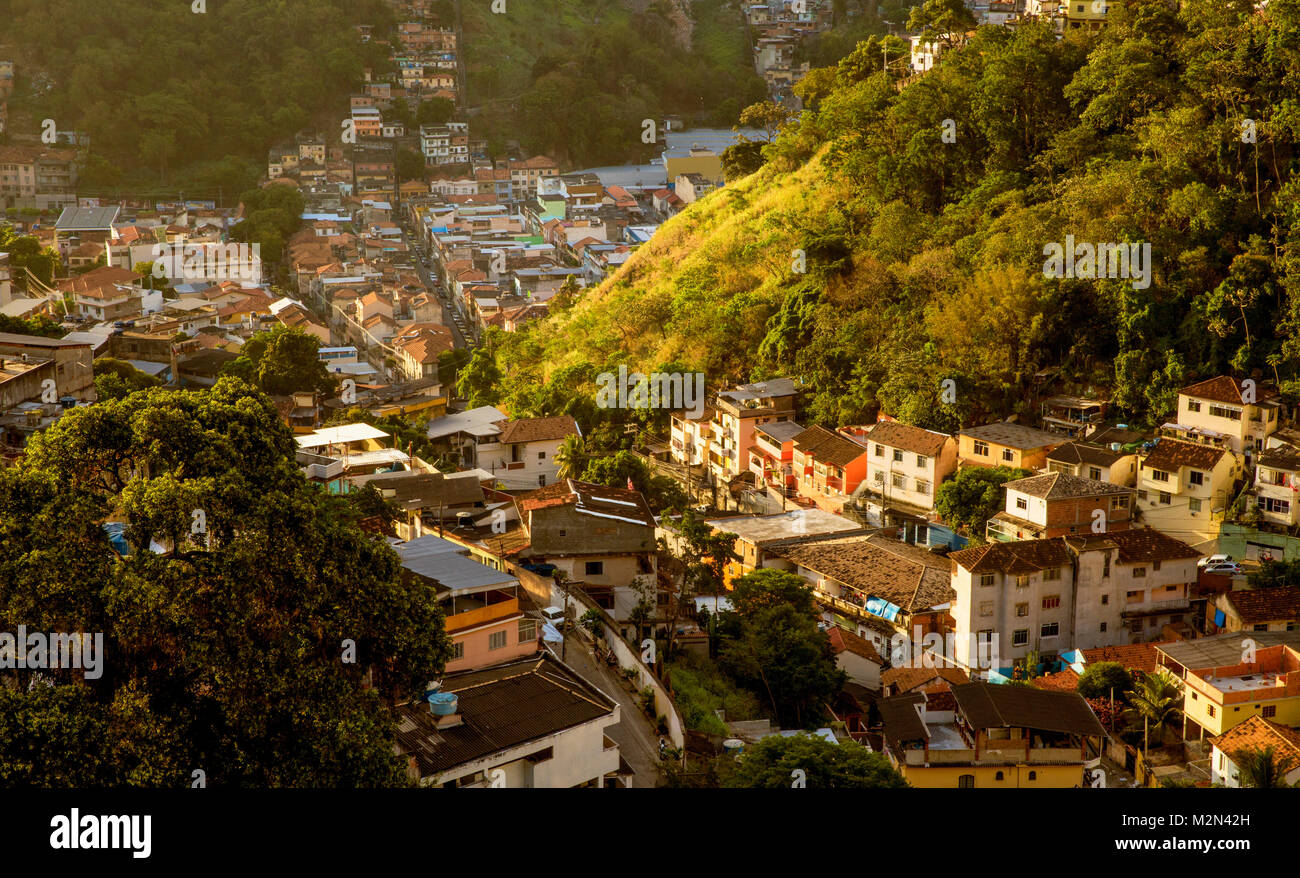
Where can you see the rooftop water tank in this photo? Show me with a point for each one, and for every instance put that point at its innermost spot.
(733, 746)
(443, 703)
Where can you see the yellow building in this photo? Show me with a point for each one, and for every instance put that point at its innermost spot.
(990, 736)
(697, 160)
(1265, 682)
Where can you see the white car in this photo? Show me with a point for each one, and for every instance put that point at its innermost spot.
(1213, 559)
(1223, 568)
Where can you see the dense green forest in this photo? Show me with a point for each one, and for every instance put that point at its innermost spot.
(575, 78)
(178, 99)
(924, 253)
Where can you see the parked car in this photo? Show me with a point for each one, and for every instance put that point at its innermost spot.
(1224, 568)
(1213, 559)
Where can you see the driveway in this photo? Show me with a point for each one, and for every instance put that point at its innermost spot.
(637, 740)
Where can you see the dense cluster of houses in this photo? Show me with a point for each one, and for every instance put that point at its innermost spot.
(1103, 547)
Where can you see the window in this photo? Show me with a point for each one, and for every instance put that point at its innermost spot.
(1022, 609)
(457, 650)
(1139, 572)
(987, 578)
(1105, 570)
(923, 487)
(898, 455)
(1155, 565)
(1051, 629)
(1119, 504)
(527, 630)
(981, 448)
(966, 782)
(1209, 710)
(1159, 475)
(986, 608)
(1052, 574)
(1193, 505)
(880, 451)
(899, 482)
(1133, 597)
(1094, 474)
(1263, 626)
(1022, 581)
(1033, 775)
(1105, 599)
(1223, 411)
(1195, 477)
(595, 568)
(1020, 637)
(1193, 405)
(1051, 602)
(1280, 507)
(1008, 454)
(1103, 627)
(922, 461)
(998, 776)
(497, 640)
(541, 455)
(880, 476)
(1022, 503)
(1270, 710)
(1164, 498)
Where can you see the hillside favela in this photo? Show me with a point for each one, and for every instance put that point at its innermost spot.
(631, 394)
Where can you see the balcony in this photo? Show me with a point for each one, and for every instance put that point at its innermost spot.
(1151, 608)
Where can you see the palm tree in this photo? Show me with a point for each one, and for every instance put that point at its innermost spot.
(571, 457)
(1155, 702)
(1264, 768)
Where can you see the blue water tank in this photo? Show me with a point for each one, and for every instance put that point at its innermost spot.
(443, 703)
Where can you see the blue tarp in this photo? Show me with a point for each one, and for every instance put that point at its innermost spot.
(882, 608)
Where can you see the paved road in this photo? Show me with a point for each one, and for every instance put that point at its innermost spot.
(463, 337)
(636, 738)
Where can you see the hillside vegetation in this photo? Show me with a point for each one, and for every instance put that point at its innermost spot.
(575, 78)
(173, 97)
(925, 258)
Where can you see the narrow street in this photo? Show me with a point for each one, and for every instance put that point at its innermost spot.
(451, 316)
(637, 741)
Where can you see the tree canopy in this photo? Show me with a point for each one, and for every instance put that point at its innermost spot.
(252, 631)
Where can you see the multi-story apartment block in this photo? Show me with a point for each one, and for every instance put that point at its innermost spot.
(1227, 412)
(39, 176)
(690, 435)
(772, 456)
(1129, 585)
(1184, 488)
(736, 413)
(1057, 504)
(1050, 595)
(907, 464)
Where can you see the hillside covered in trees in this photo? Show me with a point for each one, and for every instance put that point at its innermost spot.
(924, 254)
(168, 95)
(575, 78)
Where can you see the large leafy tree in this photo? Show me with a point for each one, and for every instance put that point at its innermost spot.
(973, 496)
(253, 631)
(781, 654)
(778, 762)
(283, 360)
